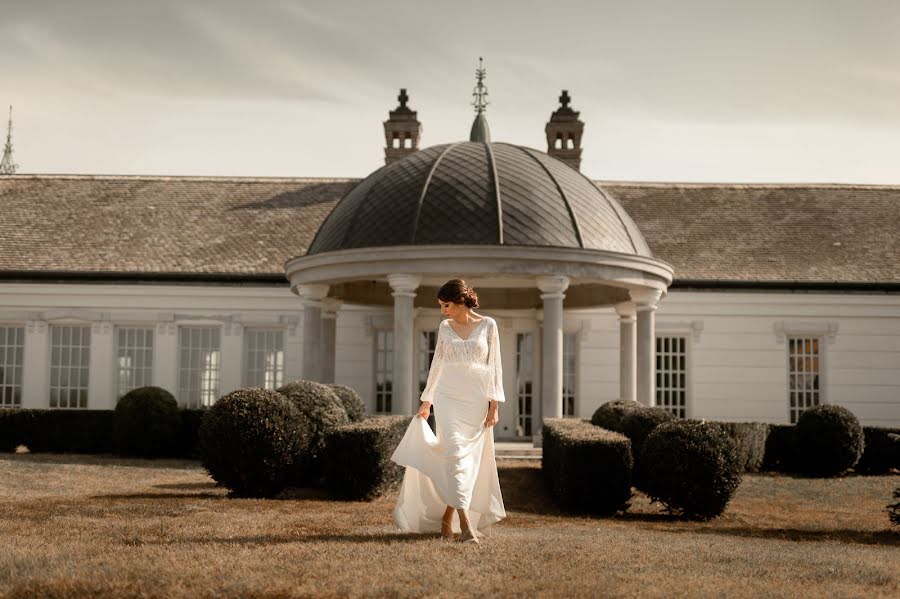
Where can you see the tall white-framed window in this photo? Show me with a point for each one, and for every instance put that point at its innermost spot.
(384, 370)
(671, 373)
(525, 372)
(134, 358)
(570, 374)
(200, 355)
(263, 358)
(427, 341)
(12, 349)
(804, 375)
(70, 357)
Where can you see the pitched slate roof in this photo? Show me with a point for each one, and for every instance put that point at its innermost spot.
(248, 227)
(158, 225)
(775, 233)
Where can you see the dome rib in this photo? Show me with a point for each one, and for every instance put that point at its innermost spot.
(562, 194)
(415, 227)
(490, 153)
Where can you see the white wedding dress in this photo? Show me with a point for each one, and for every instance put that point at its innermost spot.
(455, 466)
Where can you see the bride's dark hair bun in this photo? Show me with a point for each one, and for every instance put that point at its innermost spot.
(458, 292)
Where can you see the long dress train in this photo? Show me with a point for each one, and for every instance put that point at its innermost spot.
(455, 466)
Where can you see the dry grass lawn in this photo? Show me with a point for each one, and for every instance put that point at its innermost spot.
(78, 526)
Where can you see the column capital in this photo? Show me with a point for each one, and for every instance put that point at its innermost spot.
(552, 286)
(645, 299)
(330, 306)
(626, 311)
(404, 285)
(312, 294)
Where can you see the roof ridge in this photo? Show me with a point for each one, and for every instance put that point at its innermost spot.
(696, 185)
(199, 178)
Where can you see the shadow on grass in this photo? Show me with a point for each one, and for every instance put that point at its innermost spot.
(187, 486)
(102, 459)
(156, 496)
(380, 538)
(858, 537)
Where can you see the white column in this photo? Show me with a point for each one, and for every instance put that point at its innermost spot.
(102, 388)
(166, 359)
(311, 296)
(36, 365)
(403, 400)
(552, 294)
(645, 303)
(627, 349)
(232, 358)
(330, 306)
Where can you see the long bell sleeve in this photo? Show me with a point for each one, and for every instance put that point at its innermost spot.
(434, 371)
(495, 385)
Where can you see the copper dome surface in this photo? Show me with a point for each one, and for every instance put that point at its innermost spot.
(473, 193)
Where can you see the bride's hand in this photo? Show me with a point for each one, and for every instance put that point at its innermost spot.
(492, 416)
(424, 409)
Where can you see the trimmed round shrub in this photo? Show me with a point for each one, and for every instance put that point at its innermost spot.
(146, 423)
(692, 467)
(610, 414)
(250, 440)
(637, 426)
(829, 440)
(320, 410)
(352, 402)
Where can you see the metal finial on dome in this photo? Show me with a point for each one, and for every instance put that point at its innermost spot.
(480, 130)
(481, 91)
(7, 166)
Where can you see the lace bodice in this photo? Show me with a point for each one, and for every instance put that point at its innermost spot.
(478, 354)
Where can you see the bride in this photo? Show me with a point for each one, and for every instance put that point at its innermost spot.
(450, 483)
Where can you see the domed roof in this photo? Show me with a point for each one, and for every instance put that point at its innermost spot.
(473, 193)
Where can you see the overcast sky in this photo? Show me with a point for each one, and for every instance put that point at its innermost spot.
(718, 90)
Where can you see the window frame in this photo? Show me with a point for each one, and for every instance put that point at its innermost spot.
(822, 395)
(245, 353)
(18, 368)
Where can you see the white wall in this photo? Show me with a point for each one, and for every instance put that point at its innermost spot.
(737, 358)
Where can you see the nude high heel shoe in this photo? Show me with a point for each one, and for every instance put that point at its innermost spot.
(468, 536)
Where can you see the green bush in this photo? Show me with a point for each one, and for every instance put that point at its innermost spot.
(357, 459)
(250, 440)
(610, 414)
(146, 423)
(781, 448)
(749, 439)
(320, 410)
(586, 468)
(352, 402)
(881, 452)
(691, 467)
(637, 426)
(829, 440)
(57, 431)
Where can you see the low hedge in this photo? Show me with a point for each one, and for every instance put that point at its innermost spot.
(356, 460)
(749, 439)
(188, 439)
(586, 468)
(57, 431)
(881, 452)
(781, 452)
